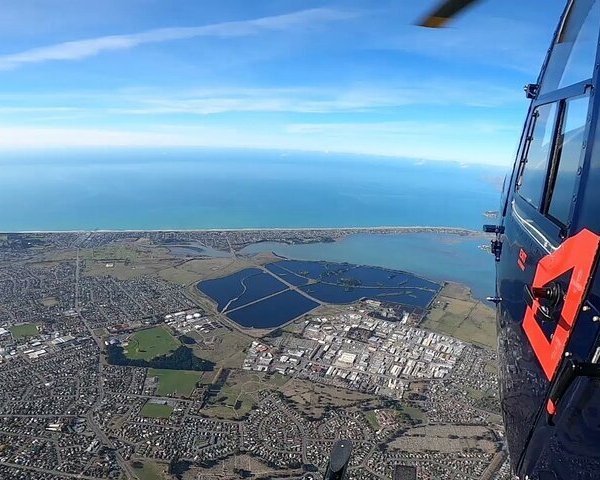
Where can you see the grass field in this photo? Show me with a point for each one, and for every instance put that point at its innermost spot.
(129, 260)
(467, 320)
(241, 391)
(312, 398)
(371, 417)
(156, 410)
(227, 349)
(150, 343)
(24, 330)
(413, 413)
(175, 382)
(148, 471)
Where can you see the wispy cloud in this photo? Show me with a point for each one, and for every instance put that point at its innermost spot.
(208, 101)
(80, 49)
(469, 142)
(401, 128)
(322, 100)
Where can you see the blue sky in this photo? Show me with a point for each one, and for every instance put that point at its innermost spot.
(343, 76)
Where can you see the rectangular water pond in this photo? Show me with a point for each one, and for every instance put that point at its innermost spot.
(266, 297)
(241, 288)
(273, 311)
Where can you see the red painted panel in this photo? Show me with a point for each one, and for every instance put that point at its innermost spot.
(578, 253)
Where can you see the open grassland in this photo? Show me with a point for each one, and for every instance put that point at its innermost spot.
(371, 417)
(125, 271)
(229, 467)
(456, 290)
(224, 347)
(156, 410)
(192, 271)
(240, 394)
(23, 330)
(231, 403)
(203, 269)
(411, 413)
(147, 470)
(466, 319)
(175, 382)
(150, 343)
(123, 261)
(313, 398)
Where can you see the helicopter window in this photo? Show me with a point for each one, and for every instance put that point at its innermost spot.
(574, 53)
(533, 175)
(564, 171)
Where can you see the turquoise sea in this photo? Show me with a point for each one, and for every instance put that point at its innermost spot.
(201, 188)
(188, 189)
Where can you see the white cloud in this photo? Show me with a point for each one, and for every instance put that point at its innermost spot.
(207, 101)
(462, 142)
(80, 49)
(401, 128)
(322, 100)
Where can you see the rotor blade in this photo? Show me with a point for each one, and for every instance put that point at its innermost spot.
(444, 12)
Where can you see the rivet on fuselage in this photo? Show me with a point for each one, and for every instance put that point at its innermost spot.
(585, 308)
(595, 318)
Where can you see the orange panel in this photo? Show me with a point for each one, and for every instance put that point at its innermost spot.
(578, 253)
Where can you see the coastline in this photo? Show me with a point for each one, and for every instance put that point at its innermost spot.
(347, 230)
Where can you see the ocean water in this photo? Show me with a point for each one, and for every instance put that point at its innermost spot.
(197, 188)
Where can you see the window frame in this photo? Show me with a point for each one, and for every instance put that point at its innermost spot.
(557, 40)
(525, 154)
(555, 229)
(556, 159)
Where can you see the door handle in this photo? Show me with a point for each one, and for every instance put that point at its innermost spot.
(549, 296)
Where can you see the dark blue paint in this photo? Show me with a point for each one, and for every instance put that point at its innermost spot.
(567, 448)
(273, 311)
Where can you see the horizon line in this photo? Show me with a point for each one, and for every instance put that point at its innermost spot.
(452, 230)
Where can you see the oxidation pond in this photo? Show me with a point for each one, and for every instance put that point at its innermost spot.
(241, 288)
(274, 311)
(282, 291)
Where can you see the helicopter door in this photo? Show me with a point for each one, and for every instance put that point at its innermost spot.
(542, 260)
(542, 275)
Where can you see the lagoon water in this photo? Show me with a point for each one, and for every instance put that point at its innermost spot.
(435, 256)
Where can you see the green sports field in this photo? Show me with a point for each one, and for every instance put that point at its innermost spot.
(150, 343)
(156, 410)
(175, 382)
(24, 330)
